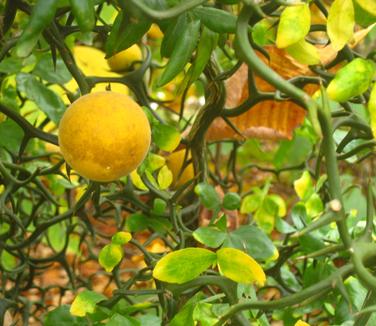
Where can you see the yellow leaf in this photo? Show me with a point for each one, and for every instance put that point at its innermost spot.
(340, 26)
(372, 109)
(165, 177)
(239, 267)
(294, 24)
(136, 180)
(304, 53)
(301, 323)
(368, 5)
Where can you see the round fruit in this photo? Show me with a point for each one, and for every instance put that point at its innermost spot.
(124, 59)
(104, 135)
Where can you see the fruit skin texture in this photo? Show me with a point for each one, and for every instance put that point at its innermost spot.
(104, 136)
(124, 59)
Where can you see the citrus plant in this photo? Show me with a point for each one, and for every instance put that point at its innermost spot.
(187, 162)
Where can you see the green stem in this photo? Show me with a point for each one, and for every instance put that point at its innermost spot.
(247, 53)
(168, 13)
(370, 301)
(329, 151)
(291, 299)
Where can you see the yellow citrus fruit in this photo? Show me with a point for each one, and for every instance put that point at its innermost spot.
(104, 135)
(155, 32)
(124, 59)
(175, 163)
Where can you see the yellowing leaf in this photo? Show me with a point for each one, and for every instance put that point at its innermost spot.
(341, 21)
(183, 265)
(304, 53)
(121, 238)
(304, 186)
(368, 5)
(110, 256)
(301, 323)
(85, 302)
(372, 109)
(239, 267)
(164, 177)
(166, 137)
(136, 180)
(294, 24)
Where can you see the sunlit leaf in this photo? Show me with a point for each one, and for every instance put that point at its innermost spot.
(239, 267)
(174, 267)
(166, 137)
(368, 5)
(121, 238)
(340, 25)
(351, 80)
(304, 186)
(110, 256)
(304, 52)
(85, 302)
(372, 109)
(294, 25)
(62, 317)
(164, 177)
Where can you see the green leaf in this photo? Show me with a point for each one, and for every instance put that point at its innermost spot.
(283, 227)
(299, 216)
(167, 138)
(294, 25)
(110, 256)
(85, 302)
(48, 101)
(84, 13)
(278, 200)
(154, 162)
(314, 205)
(172, 34)
(231, 201)
(304, 53)
(136, 222)
(119, 320)
(62, 317)
(363, 17)
(11, 135)
(210, 236)
(159, 206)
(264, 32)
(208, 196)
(45, 69)
(185, 315)
(253, 240)
(11, 65)
(121, 238)
(251, 203)
(340, 24)
(57, 236)
(8, 261)
(126, 31)
(266, 214)
(204, 315)
(304, 186)
(182, 52)
(207, 44)
(41, 16)
(165, 177)
(219, 21)
(149, 320)
(351, 80)
(239, 267)
(183, 265)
